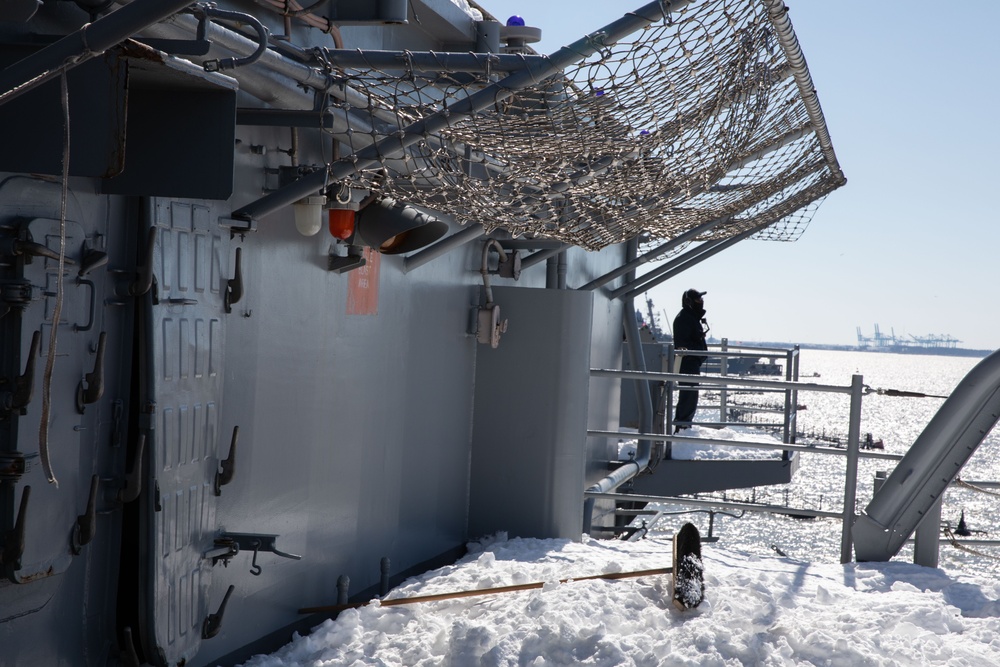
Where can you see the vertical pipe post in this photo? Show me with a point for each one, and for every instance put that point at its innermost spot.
(385, 565)
(724, 367)
(343, 586)
(928, 536)
(851, 476)
(788, 434)
(793, 361)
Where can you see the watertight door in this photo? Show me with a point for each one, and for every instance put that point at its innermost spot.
(185, 346)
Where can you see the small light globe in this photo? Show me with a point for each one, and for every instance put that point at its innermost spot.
(309, 215)
(515, 21)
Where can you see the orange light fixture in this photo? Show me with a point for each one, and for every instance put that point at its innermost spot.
(342, 223)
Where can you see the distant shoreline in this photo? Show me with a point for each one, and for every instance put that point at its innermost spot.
(895, 349)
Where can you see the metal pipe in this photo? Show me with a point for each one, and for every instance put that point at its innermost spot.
(541, 256)
(430, 61)
(485, 269)
(77, 47)
(747, 444)
(486, 97)
(661, 273)
(851, 481)
(532, 244)
(712, 380)
(715, 504)
(551, 273)
(458, 239)
(239, 17)
(655, 253)
(644, 403)
(778, 13)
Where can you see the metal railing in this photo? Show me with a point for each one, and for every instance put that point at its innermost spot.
(725, 352)
(790, 388)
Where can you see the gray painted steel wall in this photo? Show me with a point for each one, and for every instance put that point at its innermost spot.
(530, 425)
(355, 430)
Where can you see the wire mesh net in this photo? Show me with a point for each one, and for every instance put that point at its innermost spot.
(695, 121)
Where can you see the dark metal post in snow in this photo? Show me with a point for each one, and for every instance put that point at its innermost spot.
(487, 97)
(851, 475)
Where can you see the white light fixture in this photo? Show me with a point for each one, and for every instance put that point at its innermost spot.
(309, 214)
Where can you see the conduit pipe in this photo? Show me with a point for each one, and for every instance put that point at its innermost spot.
(431, 61)
(485, 268)
(778, 13)
(91, 40)
(258, 80)
(471, 233)
(542, 255)
(655, 253)
(435, 123)
(239, 17)
(644, 401)
(670, 268)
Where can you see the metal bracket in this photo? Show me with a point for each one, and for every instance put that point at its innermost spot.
(354, 259)
(490, 326)
(228, 545)
(12, 466)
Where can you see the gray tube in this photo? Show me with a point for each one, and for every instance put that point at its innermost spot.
(778, 13)
(458, 239)
(644, 400)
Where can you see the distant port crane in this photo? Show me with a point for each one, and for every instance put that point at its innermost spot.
(889, 341)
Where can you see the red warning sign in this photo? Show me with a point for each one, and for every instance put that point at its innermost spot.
(362, 286)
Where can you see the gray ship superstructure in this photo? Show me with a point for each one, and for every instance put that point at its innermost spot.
(297, 299)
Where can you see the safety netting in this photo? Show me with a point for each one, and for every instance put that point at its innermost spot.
(694, 122)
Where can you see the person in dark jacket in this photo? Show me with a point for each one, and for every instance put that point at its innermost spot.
(689, 334)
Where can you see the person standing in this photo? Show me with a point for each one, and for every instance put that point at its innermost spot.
(689, 334)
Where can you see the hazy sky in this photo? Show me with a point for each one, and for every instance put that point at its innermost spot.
(910, 90)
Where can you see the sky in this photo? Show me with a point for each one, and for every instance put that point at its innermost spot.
(909, 90)
(756, 611)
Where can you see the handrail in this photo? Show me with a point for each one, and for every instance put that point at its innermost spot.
(852, 452)
(711, 379)
(747, 444)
